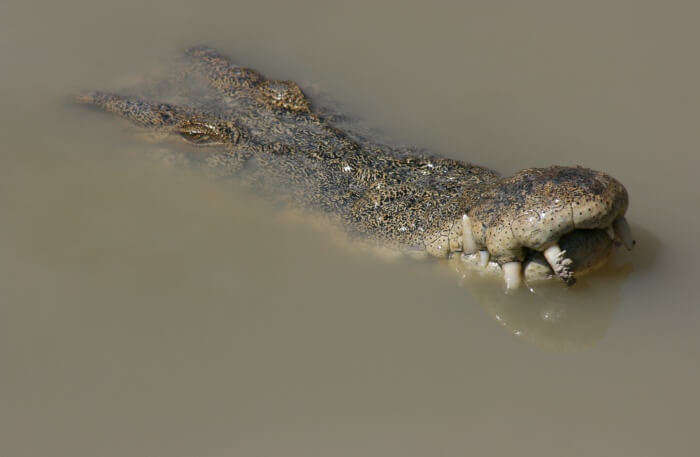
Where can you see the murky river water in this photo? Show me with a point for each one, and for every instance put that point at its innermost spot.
(147, 312)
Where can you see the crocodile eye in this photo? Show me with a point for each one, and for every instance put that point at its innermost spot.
(200, 134)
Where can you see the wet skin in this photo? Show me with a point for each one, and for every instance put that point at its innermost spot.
(538, 223)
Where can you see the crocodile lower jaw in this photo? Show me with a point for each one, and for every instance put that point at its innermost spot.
(587, 249)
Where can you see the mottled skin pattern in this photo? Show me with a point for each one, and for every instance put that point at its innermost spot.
(276, 141)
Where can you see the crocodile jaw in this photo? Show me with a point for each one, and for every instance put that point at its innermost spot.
(588, 250)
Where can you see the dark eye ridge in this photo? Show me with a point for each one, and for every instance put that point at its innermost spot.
(199, 134)
(197, 137)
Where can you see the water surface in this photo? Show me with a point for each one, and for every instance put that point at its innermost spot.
(144, 311)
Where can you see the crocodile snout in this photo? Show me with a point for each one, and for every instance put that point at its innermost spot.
(559, 200)
(533, 209)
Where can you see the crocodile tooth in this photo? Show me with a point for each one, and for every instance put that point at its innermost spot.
(560, 264)
(513, 274)
(468, 243)
(484, 258)
(623, 232)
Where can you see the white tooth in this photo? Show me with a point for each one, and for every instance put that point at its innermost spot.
(623, 232)
(552, 254)
(512, 272)
(610, 232)
(559, 263)
(468, 243)
(484, 258)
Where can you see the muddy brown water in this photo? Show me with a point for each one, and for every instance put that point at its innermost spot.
(149, 312)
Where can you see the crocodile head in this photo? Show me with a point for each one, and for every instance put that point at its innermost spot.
(553, 221)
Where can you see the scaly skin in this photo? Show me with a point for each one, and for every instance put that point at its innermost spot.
(270, 135)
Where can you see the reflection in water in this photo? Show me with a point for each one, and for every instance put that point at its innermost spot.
(552, 316)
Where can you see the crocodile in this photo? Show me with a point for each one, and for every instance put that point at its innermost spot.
(539, 223)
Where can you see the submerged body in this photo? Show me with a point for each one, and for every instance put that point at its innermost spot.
(555, 221)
